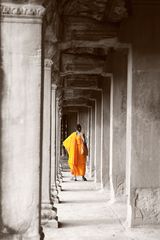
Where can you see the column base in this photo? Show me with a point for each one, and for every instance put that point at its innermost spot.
(49, 216)
(54, 190)
(60, 177)
(51, 224)
(55, 199)
(54, 194)
(97, 185)
(59, 185)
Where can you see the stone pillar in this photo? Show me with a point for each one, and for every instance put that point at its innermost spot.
(106, 85)
(92, 142)
(143, 121)
(58, 137)
(49, 216)
(84, 119)
(54, 189)
(89, 141)
(98, 140)
(20, 102)
(118, 123)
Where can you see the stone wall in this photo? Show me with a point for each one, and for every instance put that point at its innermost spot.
(143, 126)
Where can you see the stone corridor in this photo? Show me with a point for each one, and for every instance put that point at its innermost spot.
(89, 62)
(86, 213)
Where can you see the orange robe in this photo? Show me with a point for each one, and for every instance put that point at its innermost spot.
(77, 159)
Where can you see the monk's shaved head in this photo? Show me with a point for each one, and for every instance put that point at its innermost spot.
(78, 128)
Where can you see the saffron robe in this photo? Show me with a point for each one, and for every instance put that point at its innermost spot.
(77, 158)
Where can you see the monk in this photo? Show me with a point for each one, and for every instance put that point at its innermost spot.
(76, 147)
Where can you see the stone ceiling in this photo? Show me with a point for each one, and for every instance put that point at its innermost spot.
(100, 10)
(79, 35)
(87, 31)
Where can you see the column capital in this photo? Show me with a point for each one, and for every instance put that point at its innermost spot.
(54, 86)
(21, 10)
(48, 63)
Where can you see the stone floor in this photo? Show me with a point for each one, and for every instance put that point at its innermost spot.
(87, 214)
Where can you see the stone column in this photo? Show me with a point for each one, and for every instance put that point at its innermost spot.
(92, 142)
(54, 189)
(89, 141)
(143, 123)
(20, 102)
(49, 216)
(84, 121)
(105, 132)
(58, 137)
(98, 140)
(118, 123)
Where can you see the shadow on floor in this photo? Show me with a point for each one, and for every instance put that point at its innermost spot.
(83, 201)
(77, 190)
(81, 223)
(78, 181)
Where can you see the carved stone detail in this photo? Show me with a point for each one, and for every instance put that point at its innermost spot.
(91, 9)
(49, 216)
(59, 99)
(54, 86)
(113, 10)
(48, 63)
(117, 11)
(36, 11)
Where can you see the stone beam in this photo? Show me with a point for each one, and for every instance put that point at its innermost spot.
(90, 9)
(90, 50)
(78, 93)
(78, 102)
(79, 80)
(74, 63)
(76, 28)
(87, 73)
(103, 43)
(81, 84)
(83, 81)
(111, 10)
(74, 108)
